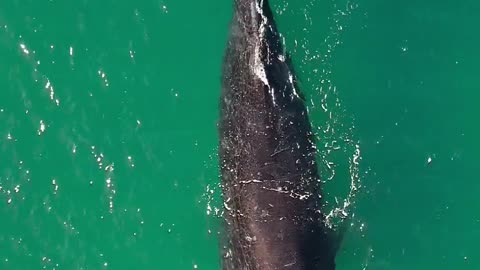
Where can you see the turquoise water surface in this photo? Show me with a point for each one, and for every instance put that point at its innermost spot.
(108, 130)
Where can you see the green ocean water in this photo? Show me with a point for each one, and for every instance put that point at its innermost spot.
(108, 136)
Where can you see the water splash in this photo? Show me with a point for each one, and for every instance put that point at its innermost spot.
(338, 151)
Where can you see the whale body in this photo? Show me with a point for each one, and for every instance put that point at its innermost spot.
(271, 186)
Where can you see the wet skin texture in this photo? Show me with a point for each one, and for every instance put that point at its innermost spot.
(267, 154)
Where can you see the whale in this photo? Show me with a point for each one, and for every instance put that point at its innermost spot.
(267, 154)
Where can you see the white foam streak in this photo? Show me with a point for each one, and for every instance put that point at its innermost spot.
(258, 67)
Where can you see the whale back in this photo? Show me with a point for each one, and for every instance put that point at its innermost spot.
(267, 153)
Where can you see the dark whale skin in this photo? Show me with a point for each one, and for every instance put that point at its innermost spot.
(267, 154)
